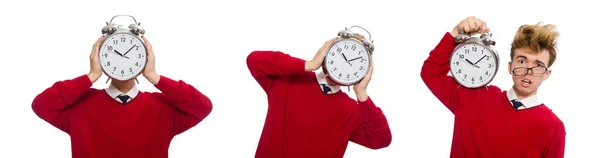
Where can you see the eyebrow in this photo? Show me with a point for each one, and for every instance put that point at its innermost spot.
(537, 61)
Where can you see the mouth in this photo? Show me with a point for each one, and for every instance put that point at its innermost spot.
(525, 82)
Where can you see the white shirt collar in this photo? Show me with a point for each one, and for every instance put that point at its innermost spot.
(114, 92)
(323, 80)
(528, 102)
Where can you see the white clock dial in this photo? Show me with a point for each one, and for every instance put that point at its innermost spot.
(122, 56)
(347, 61)
(473, 65)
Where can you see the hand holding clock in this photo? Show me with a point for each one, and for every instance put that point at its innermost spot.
(316, 62)
(361, 88)
(470, 25)
(150, 71)
(95, 68)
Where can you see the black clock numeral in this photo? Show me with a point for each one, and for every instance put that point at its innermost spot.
(489, 65)
(340, 75)
(123, 39)
(488, 58)
(355, 73)
(466, 51)
(114, 68)
(105, 55)
(130, 69)
(480, 78)
(334, 68)
(108, 63)
(456, 62)
(474, 49)
(362, 59)
(331, 62)
(137, 64)
(465, 77)
(122, 72)
(339, 49)
(115, 42)
(137, 47)
(332, 54)
(459, 71)
(139, 56)
(472, 79)
(130, 41)
(359, 52)
(353, 47)
(110, 48)
(486, 73)
(348, 76)
(462, 56)
(360, 68)
(482, 51)
(345, 46)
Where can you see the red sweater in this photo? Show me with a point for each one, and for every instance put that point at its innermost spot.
(101, 127)
(302, 122)
(485, 123)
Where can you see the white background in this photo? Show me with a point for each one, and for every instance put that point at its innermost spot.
(206, 44)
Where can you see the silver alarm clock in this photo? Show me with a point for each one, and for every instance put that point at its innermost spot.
(123, 52)
(348, 59)
(474, 61)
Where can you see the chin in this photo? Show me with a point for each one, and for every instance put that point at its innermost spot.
(525, 91)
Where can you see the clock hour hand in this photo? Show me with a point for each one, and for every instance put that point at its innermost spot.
(471, 63)
(120, 54)
(129, 50)
(346, 59)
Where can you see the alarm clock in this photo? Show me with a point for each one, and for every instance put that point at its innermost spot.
(123, 52)
(348, 58)
(474, 61)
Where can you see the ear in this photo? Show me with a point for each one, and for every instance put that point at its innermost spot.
(547, 74)
(509, 67)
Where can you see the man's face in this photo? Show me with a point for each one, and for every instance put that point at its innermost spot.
(526, 81)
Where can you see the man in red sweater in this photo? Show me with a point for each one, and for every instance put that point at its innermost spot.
(308, 115)
(120, 121)
(491, 122)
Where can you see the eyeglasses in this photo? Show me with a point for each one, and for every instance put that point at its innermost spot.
(522, 71)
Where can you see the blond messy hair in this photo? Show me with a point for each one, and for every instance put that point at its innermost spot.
(536, 38)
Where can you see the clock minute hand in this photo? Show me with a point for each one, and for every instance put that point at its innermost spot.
(354, 59)
(129, 50)
(479, 60)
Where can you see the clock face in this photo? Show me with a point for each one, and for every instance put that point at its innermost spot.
(473, 65)
(347, 61)
(122, 56)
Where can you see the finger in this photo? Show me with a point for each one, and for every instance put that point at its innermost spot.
(149, 48)
(472, 25)
(485, 28)
(96, 48)
(478, 25)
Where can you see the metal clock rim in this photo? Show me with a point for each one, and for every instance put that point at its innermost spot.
(324, 63)
(489, 48)
(115, 34)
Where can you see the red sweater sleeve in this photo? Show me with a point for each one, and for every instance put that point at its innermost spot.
(435, 74)
(555, 147)
(51, 105)
(265, 66)
(192, 106)
(374, 131)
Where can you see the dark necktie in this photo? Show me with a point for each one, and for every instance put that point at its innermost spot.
(326, 89)
(516, 103)
(123, 98)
